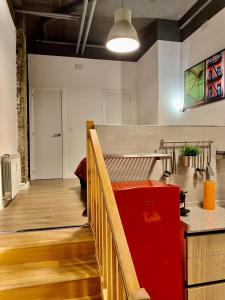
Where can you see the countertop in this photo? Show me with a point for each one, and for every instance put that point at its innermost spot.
(201, 220)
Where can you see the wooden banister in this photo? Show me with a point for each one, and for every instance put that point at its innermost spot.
(89, 125)
(119, 279)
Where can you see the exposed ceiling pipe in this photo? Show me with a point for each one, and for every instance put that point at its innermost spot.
(88, 25)
(195, 14)
(48, 15)
(67, 44)
(82, 25)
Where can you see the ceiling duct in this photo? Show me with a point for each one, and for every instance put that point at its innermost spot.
(88, 25)
(82, 25)
(48, 15)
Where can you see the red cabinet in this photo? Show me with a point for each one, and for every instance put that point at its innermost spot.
(150, 213)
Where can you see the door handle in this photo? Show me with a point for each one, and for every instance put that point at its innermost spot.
(56, 135)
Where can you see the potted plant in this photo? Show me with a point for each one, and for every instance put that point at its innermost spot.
(189, 153)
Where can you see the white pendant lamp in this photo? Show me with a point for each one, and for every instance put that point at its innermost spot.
(122, 37)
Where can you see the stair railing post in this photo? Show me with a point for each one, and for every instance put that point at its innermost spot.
(89, 125)
(139, 294)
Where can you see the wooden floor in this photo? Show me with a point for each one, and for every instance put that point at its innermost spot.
(47, 204)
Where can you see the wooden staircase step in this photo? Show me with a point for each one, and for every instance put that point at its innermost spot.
(61, 279)
(38, 273)
(40, 238)
(19, 248)
(96, 297)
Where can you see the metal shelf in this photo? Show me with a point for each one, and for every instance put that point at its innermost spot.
(179, 144)
(220, 154)
(157, 156)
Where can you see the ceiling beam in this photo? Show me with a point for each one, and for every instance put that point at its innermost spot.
(45, 25)
(67, 49)
(18, 3)
(67, 43)
(212, 8)
(48, 15)
(65, 9)
(193, 12)
(69, 8)
(10, 5)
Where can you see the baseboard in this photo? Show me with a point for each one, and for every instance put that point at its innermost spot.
(24, 186)
(69, 176)
(220, 203)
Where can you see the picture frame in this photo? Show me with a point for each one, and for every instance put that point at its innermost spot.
(205, 82)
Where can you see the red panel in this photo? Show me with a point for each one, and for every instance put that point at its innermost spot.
(150, 213)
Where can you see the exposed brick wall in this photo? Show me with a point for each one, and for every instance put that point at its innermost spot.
(22, 103)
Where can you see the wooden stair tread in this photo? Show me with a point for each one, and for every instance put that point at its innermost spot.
(47, 272)
(96, 297)
(42, 238)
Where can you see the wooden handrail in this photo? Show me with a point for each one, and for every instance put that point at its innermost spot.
(119, 279)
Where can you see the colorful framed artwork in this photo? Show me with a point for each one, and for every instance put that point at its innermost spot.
(194, 86)
(215, 77)
(205, 82)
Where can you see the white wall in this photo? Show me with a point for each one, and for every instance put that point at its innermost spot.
(158, 85)
(173, 59)
(169, 78)
(147, 87)
(82, 92)
(8, 113)
(203, 43)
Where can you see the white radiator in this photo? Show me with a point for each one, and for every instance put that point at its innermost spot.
(11, 176)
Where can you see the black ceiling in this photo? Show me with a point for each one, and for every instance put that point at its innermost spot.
(153, 19)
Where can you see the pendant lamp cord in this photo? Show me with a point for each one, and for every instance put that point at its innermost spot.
(122, 4)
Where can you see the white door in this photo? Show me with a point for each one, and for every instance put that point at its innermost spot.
(118, 107)
(47, 134)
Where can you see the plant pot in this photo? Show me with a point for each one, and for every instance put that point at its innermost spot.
(189, 161)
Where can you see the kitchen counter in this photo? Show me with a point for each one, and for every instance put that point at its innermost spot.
(201, 220)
